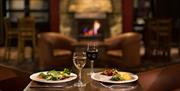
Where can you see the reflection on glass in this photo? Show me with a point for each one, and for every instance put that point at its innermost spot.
(92, 54)
(15, 4)
(40, 16)
(38, 4)
(15, 15)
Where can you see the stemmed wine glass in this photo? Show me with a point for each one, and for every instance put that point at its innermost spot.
(92, 53)
(79, 60)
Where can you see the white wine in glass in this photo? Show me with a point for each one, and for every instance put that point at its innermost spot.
(79, 60)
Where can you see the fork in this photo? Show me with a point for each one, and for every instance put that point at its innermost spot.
(118, 86)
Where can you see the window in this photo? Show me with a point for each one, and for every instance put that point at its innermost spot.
(39, 9)
(36, 8)
(14, 9)
(18, 8)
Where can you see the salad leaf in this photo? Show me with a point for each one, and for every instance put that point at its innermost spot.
(67, 71)
(117, 78)
(55, 75)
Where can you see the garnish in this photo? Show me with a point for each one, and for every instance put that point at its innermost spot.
(55, 75)
(121, 76)
(109, 72)
(117, 77)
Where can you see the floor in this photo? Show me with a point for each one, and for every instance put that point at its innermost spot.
(30, 65)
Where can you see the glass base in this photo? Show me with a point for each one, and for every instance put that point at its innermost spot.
(90, 73)
(79, 84)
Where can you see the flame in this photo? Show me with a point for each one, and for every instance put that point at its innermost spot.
(96, 27)
(93, 31)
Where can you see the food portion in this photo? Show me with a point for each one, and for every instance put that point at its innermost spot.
(121, 76)
(109, 72)
(117, 75)
(55, 75)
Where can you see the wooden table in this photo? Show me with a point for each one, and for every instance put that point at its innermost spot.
(90, 86)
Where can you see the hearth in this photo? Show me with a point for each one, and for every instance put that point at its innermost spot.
(91, 26)
(89, 15)
(92, 29)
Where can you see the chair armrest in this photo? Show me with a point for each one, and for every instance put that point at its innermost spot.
(57, 40)
(47, 43)
(123, 40)
(161, 79)
(130, 44)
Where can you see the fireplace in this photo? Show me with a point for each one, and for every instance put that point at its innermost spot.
(91, 29)
(89, 15)
(78, 17)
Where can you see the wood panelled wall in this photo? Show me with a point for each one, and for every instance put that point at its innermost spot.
(1, 23)
(54, 15)
(127, 12)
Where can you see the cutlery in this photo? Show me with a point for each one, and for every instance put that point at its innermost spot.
(120, 86)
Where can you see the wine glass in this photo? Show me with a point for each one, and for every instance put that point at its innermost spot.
(79, 60)
(92, 53)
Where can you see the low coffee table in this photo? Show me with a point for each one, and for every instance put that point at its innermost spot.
(91, 85)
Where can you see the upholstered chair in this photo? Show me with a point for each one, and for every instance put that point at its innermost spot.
(123, 50)
(54, 50)
(161, 79)
(13, 79)
(26, 32)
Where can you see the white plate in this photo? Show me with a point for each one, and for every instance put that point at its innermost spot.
(34, 77)
(103, 78)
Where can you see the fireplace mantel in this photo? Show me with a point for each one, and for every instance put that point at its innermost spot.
(86, 6)
(90, 15)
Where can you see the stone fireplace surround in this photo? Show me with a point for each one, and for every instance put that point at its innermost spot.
(70, 23)
(56, 11)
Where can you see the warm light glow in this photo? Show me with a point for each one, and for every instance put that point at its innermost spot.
(89, 6)
(96, 27)
(93, 31)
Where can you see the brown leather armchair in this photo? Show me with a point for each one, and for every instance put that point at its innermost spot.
(13, 79)
(124, 50)
(54, 50)
(161, 79)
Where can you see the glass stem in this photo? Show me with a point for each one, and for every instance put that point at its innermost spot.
(92, 66)
(80, 76)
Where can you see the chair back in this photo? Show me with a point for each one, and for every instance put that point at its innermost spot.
(7, 25)
(158, 37)
(9, 30)
(26, 25)
(164, 32)
(151, 34)
(157, 30)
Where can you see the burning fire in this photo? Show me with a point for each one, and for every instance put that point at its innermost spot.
(93, 31)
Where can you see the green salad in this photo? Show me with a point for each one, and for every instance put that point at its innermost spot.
(122, 76)
(55, 75)
(117, 78)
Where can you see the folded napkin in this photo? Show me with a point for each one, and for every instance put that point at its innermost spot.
(47, 85)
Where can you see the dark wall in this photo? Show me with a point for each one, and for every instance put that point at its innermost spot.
(175, 8)
(166, 8)
(169, 8)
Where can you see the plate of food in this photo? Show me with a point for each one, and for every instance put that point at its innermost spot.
(114, 76)
(53, 76)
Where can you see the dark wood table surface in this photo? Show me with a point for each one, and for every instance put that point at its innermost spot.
(91, 85)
